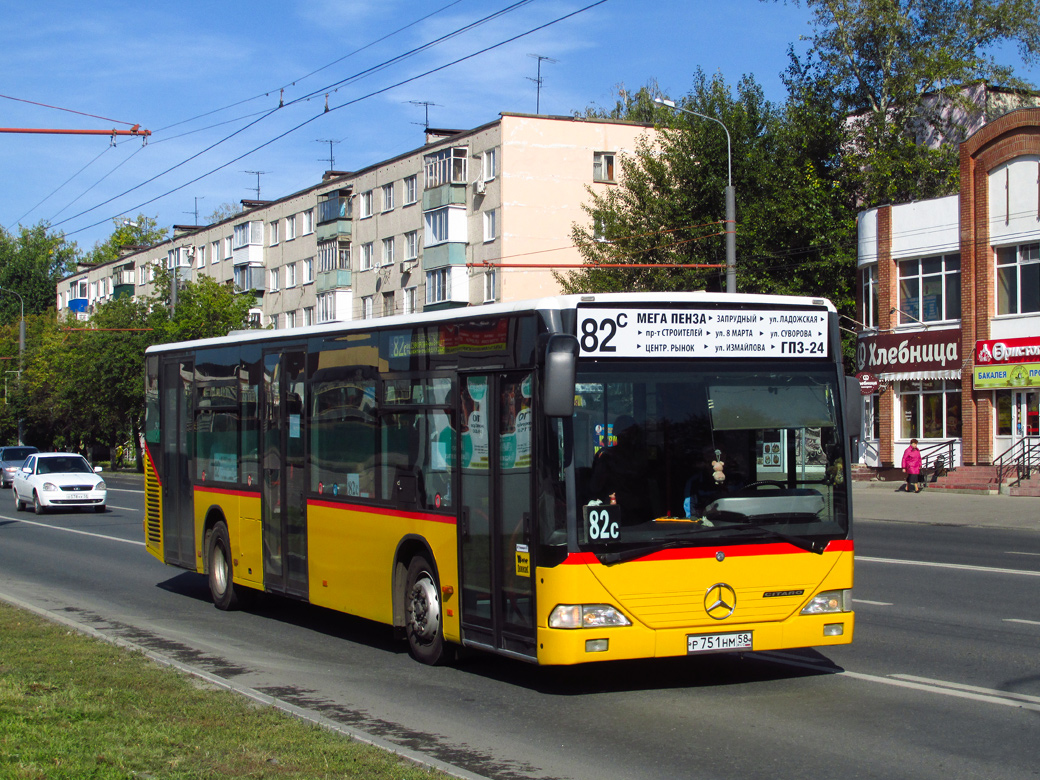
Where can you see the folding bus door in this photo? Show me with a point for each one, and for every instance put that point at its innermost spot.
(283, 487)
(495, 546)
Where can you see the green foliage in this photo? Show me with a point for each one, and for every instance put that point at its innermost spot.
(139, 232)
(898, 70)
(205, 308)
(795, 226)
(31, 265)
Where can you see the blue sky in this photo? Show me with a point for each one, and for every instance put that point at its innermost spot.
(165, 65)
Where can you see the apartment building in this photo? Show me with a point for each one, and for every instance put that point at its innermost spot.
(458, 222)
(949, 306)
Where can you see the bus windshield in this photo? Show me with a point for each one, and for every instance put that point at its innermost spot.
(676, 456)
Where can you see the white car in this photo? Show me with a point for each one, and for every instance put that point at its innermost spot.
(55, 480)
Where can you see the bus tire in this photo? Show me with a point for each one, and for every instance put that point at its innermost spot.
(221, 569)
(423, 614)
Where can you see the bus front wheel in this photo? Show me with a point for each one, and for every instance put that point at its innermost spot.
(221, 571)
(423, 614)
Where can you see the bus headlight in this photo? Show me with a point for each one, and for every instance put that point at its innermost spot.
(586, 616)
(829, 601)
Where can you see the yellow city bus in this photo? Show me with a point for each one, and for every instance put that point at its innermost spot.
(574, 479)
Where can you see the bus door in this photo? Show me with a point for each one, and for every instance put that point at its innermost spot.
(495, 524)
(177, 445)
(283, 485)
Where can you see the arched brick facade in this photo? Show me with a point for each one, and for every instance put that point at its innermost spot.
(1013, 135)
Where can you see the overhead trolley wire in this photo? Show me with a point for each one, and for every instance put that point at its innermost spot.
(318, 116)
(265, 114)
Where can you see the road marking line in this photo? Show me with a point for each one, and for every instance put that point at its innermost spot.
(1016, 552)
(874, 603)
(961, 566)
(1019, 620)
(973, 692)
(75, 531)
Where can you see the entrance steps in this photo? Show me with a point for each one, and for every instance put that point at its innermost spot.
(1027, 487)
(978, 480)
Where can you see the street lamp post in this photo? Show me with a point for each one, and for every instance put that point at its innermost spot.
(731, 197)
(21, 348)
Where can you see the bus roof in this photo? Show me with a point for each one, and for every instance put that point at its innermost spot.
(548, 304)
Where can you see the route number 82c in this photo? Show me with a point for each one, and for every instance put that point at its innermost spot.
(597, 335)
(601, 526)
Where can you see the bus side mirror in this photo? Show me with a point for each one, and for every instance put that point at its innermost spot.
(561, 367)
(853, 408)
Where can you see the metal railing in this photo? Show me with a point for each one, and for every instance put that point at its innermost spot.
(1021, 459)
(938, 456)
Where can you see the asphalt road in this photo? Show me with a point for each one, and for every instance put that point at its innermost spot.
(942, 679)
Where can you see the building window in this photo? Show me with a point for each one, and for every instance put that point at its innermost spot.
(930, 409)
(248, 234)
(365, 205)
(290, 319)
(290, 228)
(930, 289)
(1018, 279)
(411, 190)
(366, 308)
(229, 245)
(388, 251)
(436, 226)
(308, 270)
(872, 417)
(490, 164)
(447, 166)
(326, 307)
(490, 225)
(437, 286)
(868, 313)
(274, 280)
(214, 252)
(290, 275)
(200, 256)
(365, 261)
(308, 222)
(274, 231)
(411, 245)
(274, 321)
(308, 316)
(490, 286)
(410, 300)
(388, 304)
(388, 197)
(603, 166)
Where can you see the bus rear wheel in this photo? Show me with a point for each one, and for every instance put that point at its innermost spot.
(221, 570)
(423, 614)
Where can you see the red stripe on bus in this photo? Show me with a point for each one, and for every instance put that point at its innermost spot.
(374, 510)
(693, 553)
(151, 460)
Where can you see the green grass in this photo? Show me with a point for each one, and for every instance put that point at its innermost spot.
(72, 706)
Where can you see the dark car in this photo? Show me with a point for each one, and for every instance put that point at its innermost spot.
(11, 459)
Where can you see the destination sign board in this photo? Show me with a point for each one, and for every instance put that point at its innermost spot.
(702, 333)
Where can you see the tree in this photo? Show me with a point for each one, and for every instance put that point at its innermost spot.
(205, 308)
(139, 232)
(31, 264)
(794, 224)
(223, 211)
(895, 69)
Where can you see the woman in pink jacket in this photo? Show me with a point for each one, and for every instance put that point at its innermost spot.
(912, 466)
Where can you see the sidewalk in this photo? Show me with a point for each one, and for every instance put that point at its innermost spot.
(881, 501)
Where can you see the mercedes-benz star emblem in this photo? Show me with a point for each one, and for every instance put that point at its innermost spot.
(720, 601)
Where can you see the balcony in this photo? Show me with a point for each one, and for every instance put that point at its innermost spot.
(443, 255)
(335, 218)
(338, 279)
(333, 231)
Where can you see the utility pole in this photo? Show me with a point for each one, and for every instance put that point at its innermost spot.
(330, 142)
(258, 175)
(538, 81)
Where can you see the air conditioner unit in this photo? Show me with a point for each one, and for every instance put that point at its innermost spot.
(479, 186)
(408, 265)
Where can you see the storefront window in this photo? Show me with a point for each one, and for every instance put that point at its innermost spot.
(1004, 415)
(930, 409)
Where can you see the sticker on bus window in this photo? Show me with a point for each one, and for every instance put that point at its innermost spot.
(523, 561)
